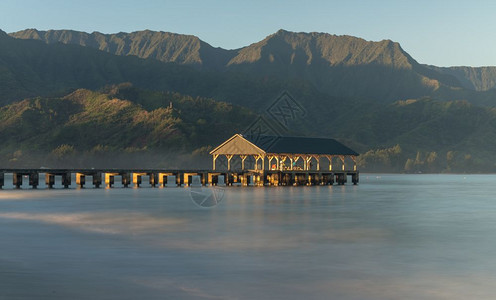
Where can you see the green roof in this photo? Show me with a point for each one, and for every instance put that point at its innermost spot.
(299, 145)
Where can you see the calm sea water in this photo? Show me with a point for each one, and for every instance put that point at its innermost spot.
(391, 237)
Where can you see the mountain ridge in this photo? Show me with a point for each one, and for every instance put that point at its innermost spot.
(340, 66)
(475, 78)
(159, 45)
(188, 52)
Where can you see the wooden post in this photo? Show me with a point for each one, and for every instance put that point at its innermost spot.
(329, 157)
(296, 158)
(109, 179)
(97, 179)
(353, 157)
(229, 156)
(66, 179)
(125, 179)
(179, 179)
(34, 179)
(342, 160)
(137, 179)
(243, 157)
(283, 161)
(17, 180)
(214, 157)
(308, 162)
(80, 179)
(270, 158)
(153, 179)
(354, 178)
(257, 157)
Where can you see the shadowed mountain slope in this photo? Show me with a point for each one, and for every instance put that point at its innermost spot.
(474, 78)
(338, 65)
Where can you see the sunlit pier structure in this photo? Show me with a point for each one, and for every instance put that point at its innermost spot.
(239, 161)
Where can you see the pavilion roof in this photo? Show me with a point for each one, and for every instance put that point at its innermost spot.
(262, 144)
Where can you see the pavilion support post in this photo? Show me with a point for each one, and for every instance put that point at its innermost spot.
(318, 162)
(354, 158)
(263, 162)
(214, 158)
(282, 162)
(296, 158)
(308, 161)
(229, 157)
(243, 158)
(257, 157)
(291, 161)
(277, 162)
(330, 157)
(342, 157)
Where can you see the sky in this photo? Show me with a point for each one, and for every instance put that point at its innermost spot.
(436, 32)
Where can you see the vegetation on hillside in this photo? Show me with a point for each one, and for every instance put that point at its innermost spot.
(86, 125)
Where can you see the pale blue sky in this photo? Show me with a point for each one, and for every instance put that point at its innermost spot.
(439, 32)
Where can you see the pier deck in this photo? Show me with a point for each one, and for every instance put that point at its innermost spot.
(161, 177)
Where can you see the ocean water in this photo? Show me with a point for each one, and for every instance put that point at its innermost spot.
(390, 237)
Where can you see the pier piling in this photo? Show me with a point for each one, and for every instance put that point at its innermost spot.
(80, 180)
(97, 179)
(17, 180)
(34, 179)
(66, 179)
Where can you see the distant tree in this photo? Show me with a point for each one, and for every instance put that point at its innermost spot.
(409, 165)
(432, 161)
(450, 161)
(63, 151)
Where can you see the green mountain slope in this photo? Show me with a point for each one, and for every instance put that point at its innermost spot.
(124, 124)
(420, 128)
(88, 124)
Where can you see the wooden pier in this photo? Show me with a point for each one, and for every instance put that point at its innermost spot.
(248, 161)
(184, 178)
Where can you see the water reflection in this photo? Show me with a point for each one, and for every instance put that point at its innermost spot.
(392, 237)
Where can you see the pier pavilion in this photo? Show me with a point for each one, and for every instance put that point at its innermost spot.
(285, 151)
(286, 158)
